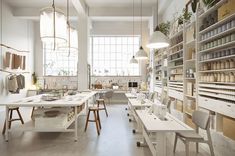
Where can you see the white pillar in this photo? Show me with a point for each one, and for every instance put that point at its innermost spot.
(83, 49)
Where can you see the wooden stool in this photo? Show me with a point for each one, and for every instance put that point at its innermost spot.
(101, 101)
(95, 110)
(11, 119)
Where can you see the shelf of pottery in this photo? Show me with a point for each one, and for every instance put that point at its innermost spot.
(175, 66)
(189, 80)
(216, 63)
(161, 71)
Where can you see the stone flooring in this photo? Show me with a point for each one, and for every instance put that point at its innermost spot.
(116, 139)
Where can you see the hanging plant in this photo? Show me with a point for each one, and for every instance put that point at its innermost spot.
(186, 15)
(34, 78)
(194, 5)
(180, 20)
(208, 3)
(165, 28)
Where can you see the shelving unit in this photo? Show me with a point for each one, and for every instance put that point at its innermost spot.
(189, 68)
(161, 72)
(175, 66)
(216, 65)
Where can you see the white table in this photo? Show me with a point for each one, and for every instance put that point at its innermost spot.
(35, 101)
(152, 124)
(135, 104)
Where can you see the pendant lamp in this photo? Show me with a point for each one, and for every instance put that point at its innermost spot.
(133, 60)
(158, 39)
(72, 37)
(53, 27)
(141, 54)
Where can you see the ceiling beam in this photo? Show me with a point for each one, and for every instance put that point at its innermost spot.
(80, 6)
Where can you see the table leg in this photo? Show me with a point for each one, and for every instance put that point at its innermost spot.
(76, 124)
(7, 124)
(161, 144)
(86, 107)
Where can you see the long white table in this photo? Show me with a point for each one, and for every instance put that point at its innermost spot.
(35, 101)
(152, 124)
(135, 104)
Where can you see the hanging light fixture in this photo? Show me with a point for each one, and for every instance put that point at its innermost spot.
(53, 26)
(141, 54)
(133, 60)
(72, 37)
(158, 39)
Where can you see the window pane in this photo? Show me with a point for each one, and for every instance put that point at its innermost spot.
(111, 55)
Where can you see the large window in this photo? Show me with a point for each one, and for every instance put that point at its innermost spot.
(111, 55)
(58, 62)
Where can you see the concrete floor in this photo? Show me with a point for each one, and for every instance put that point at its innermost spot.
(116, 139)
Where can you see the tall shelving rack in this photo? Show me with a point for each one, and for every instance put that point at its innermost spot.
(175, 66)
(161, 73)
(216, 67)
(189, 69)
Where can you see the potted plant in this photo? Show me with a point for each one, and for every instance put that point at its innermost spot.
(165, 27)
(208, 4)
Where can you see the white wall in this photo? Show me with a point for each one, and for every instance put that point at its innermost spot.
(19, 34)
(175, 7)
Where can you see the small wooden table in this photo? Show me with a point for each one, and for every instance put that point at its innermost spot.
(35, 101)
(152, 124)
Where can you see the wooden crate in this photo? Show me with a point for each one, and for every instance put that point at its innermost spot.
(229, 127)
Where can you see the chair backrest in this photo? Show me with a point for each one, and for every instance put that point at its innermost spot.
(108, 94)
(201, 119)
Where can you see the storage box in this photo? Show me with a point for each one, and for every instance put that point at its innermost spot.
(229, 127)
(226, 10)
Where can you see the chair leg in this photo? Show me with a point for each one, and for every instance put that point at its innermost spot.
(9, 125)
(187, 148)
(96, 123)
(211, 148)
(98, 116)
(197, 149)
(105, 109)
(21, 119)
(176, 139)
(4, 128)
(87, 118)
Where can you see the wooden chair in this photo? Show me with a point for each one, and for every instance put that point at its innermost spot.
(99, 102)
(201, 120)
(11, 109)
(95, 111)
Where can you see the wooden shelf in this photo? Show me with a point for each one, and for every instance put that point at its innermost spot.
(179, 66)
(217, 24)
(189, 78)
(224, 33)
(226, 83)
(215, 7)
(218, 85)
(220, 70)
(178, 44)
(176, 52)
(14, 71)
(181, 58)
(219, 58)
(220, 47)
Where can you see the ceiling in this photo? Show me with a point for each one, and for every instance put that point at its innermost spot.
(90, 3)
